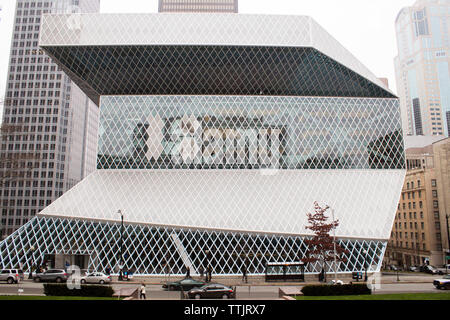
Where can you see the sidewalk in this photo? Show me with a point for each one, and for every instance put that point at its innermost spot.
(260, 281)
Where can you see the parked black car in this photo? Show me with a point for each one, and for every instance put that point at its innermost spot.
(212, 291)
(430, 269)
(52, 275)
(184, 284)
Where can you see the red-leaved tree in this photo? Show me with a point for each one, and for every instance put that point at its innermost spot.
(321, 246)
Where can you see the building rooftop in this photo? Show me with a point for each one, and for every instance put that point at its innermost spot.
(216, 54)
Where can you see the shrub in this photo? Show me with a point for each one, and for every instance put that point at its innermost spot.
(336, 290)
(56, 289)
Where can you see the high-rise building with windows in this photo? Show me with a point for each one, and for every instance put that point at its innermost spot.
(56, 120)
(223, 6)
(420, 231)
(422, 67)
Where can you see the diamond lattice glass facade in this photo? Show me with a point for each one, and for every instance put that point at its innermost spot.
(216, 148)
(242, 132)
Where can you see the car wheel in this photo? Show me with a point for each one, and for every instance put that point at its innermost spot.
(197, 296)
(102, 282)
(10, 280)
(83, 281)
(58, 280)
(37, 279)
(225, 296)
(170, 288)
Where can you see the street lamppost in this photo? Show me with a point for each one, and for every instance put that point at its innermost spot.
(121, 247)
(365, 265)
(30, 276)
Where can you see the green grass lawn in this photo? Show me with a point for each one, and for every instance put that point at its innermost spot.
(395, 296)
(53, 298)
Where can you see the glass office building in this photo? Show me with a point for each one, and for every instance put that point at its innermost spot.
(422, 67)
(205, 6)
(214, 145)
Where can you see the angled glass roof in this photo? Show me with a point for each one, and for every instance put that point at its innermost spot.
(210, 70)
(192, 53)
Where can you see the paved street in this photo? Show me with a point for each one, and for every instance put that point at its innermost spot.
(253, 291)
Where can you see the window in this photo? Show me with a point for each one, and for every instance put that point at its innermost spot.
(421, 23)
(433, 183)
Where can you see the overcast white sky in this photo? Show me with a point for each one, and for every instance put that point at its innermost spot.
(364, 27)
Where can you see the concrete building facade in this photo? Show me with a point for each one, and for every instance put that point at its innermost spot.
(420, 231)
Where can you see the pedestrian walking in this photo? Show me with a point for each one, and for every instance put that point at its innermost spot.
(244, 274)
(202, 271)
(322, 276)
(142, 292)
(188, 272)
(209, 274)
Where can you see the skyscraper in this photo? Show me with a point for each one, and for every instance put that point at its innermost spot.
(58, 121)
(422, 67)
(223, 6)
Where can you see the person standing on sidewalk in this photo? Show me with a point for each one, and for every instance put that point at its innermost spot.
(244, 274)
(142, 292)
(209, 274)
